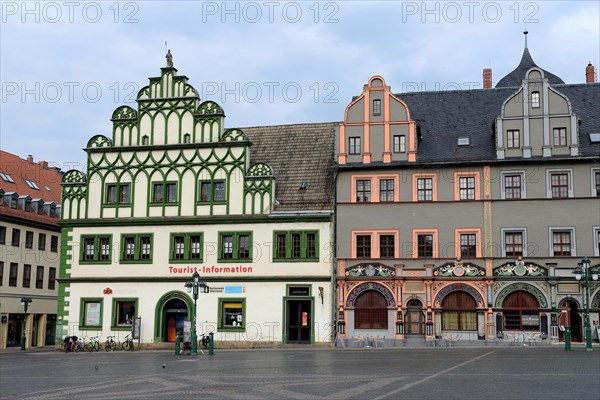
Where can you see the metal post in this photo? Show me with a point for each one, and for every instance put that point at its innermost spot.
(25, 302)
(211, 346)
(177, 344)
(567, 338)
(196, 277)
(588, 329)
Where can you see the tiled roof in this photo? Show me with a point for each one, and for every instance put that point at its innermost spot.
(515, 78)
(297, 153)
(43, 176)
(443, 117)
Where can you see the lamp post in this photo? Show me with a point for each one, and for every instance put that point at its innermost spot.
(193, 287)
(25, 301)
(584, 274)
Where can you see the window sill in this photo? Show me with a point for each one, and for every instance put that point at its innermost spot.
(91, 262)
(163, 204)
(186, 261)
(233, 260)
(208, 203)
(232, 329)
(135, 261)
(121, 328)
(90, 328)
(295, 260)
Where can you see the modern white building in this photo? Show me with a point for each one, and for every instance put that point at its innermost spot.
(172, 192)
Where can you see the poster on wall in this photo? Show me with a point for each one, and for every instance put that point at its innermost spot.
(92, 314)
(136, 327)
(304, 318)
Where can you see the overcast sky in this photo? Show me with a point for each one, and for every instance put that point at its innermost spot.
(65, 66)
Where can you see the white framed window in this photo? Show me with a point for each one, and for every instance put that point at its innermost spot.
(561, 241)
(514, 242)
(513, 185)
(596, 239)
(535, 99)
(559, 183)
(399, 143)
(595, 192)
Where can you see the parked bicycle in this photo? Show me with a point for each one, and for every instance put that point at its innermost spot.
(127, 344)
(110, 344)
(69, 343)
(94, 344)
(80, 344)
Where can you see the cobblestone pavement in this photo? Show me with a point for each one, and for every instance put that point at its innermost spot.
(448, 373)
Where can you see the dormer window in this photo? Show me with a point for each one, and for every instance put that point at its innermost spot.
(535, 99)
(13, 202)
(39, 207)
(376, 107)
(27, 206)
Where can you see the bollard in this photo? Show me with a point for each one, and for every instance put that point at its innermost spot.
(567, 338)
(177, 344)
(23, 342)
(211, 344)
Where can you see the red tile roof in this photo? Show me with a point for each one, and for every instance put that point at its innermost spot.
(46, 178)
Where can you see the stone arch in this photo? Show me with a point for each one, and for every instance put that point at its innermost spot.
(521, 286)
(446, 290)
(159, 310)
(595, 303)
(363, 287)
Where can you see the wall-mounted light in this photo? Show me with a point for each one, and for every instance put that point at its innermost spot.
(321, 293)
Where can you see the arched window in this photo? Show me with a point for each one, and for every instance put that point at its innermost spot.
(459, 312)
(145, 140)
(186, 138)
(370, 311)
(521, 311)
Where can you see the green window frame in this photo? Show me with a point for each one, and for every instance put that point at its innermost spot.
(232, 314)
(186, 247)
(96, 249)
(124, 310)
(117, 194)
(90, 313)
(212, 192)
(164, 193)
(296, 246)
(136, 248)
(235, 246)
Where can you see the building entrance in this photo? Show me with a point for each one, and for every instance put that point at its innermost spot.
(175, 313)
(413, 319)
(298, 321)
(575, 320)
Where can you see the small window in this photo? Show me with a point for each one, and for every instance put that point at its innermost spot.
(186, 247)
(28, 240)
(47, 188)
(2, 234)
(164, 193)
(118, 194)
(124, 311)
(12, 277)
(425, 189)
(96, 249)
(513, 139)
(597, 183)
(27, 204)
(296, 245)
(376, 107)
(425, 246)
(32, 184)
(387, 246)
(595, 137)
(16, 237)
(561, 243)
(52, 278)
(136, 248)
(53, 243)
(535, 99)
(399, 143)
(363, 246)
(235, 246)
(513, 244)
(232, 313)
(560, 137)
(6, 177)
(512, 186)
(464, 141)
(467, 187)
(13, 202)
(468, 245)
(26, 275)
(559, 184)
(91, 313)
(39, 277)
(386, 190)
(145, 140)
(1, 273)
(186, 138)
(363, 191)
(42, 241)
(354, 147)
(212, 192)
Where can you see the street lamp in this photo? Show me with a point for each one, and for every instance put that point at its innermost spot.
(583, 273)
(193, 287)
(25, 301)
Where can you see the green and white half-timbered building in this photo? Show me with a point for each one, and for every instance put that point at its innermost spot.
(174, 192)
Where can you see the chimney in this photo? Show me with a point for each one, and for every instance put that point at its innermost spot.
(487, 78)
(30, 159)
(590, 73)
(44, 164)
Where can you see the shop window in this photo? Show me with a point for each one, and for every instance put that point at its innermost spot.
(90, 314)
(124, 311)
(232, 315)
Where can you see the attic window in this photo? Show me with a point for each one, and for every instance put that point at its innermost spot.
(47, 188)
(302, 186)
(464, 141)
(31, 184)
(6, 177)
(595, 137)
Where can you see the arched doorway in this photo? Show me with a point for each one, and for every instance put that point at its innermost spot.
(171, 310)
(521, 311)
(574, 318)
(459, 312)
(370, 311)
(414, 321)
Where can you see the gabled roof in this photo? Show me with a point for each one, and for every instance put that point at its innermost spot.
(300, 153)
(515, 78)
(443, 117)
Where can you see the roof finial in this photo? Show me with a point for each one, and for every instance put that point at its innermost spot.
(525, 33)
(169, 57)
